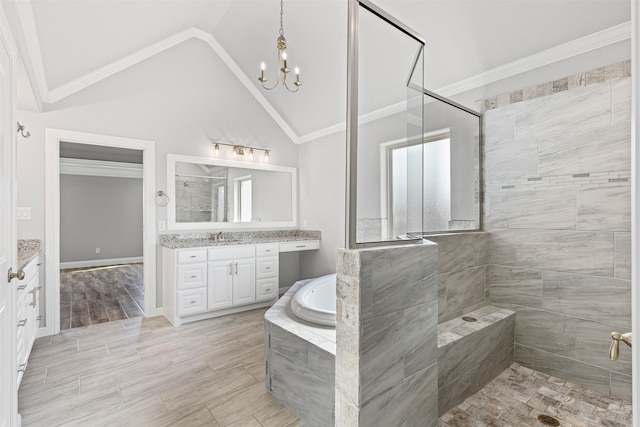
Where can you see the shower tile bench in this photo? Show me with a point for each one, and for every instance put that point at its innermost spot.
(300, 362)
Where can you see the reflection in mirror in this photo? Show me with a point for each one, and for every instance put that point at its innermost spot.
(211, 193)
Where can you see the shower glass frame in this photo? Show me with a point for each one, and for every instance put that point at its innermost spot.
(352, 122)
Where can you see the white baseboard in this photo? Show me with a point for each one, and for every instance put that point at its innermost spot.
(100, 262)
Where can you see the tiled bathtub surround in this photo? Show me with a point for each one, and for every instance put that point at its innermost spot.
(386, 333)
(558, 208)
(300, 362)
(190, 240)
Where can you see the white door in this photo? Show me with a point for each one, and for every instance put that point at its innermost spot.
(219, 281)
(8, 392)
(244, 281)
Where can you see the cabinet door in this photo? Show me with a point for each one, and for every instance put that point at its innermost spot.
(244, 281)
(220, 285)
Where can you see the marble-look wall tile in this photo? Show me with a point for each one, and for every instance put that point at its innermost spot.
(472, 350)
(621, 386)
(420, 337)
(294, 384)
(509, 159)
(551, 208)
(601, 299)
(583, 374)
(614, 215)
(622, 259)
(455, 251)
(464, 288)
(585, 151)
(452, 393)
(515, 285)
(584, 108)
(580, 252)
(621, 101)
(502, 244)
(401, 277)
(546, 331)
(382, 354)
(413, 402)
(592, 346)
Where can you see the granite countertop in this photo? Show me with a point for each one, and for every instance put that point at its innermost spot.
(198, 240)
(27, 250)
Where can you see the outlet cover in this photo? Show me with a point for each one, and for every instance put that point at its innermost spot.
(97, 250)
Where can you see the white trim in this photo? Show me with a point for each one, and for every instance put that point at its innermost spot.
(41, 90)
(635, 205)
(600, 39)
(122, 64)
(53, 137)
(100, 168)
(101, 262)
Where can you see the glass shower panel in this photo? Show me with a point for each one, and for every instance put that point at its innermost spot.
(451, 166)
(390, 105)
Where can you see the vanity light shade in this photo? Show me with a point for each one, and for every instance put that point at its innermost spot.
(250, 153)
(267, 156)
(216, 150)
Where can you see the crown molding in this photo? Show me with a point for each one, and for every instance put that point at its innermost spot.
(85, 167)
(600, 39)
(25, 13)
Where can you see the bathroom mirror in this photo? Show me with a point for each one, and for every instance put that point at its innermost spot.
(223, 194)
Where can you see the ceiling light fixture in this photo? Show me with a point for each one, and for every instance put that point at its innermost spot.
(281, 44)
(240, 151)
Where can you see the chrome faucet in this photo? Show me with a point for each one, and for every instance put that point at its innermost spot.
(217, 237)
(615, 343)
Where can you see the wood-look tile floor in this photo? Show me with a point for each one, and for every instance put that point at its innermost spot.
(89, 296)
(145, 372)
(519, 395)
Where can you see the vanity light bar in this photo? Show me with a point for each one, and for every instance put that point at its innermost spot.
(241, 150)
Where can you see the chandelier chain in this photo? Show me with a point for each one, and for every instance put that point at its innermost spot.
(282, 17)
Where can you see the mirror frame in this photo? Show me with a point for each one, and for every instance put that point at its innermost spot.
(172, 225)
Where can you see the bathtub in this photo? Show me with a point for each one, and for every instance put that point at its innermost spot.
(315, 302)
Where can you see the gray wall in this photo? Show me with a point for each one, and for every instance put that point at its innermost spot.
(100, 212)
(558, 208)
(134, 105)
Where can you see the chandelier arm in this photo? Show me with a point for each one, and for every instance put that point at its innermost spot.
(272, 87)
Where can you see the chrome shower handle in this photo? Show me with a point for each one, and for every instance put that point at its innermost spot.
(616, 337)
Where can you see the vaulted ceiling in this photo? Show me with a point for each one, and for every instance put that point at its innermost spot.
(68, 47)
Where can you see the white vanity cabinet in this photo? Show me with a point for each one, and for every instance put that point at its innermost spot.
(267, 269)
(212, 281)
(27, 314)
(232, 276)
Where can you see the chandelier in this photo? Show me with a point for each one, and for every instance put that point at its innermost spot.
(281, 44)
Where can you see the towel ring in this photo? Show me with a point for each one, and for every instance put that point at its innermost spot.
(162, 199)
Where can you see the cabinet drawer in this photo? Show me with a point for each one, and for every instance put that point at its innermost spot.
(232, 252)
(192, 276)
(266, 289)
(192, 301)
(266, 267)
(195, 255)
(299, 246)
(267, 250)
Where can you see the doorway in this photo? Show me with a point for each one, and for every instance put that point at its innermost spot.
(97, 267)
(101, 238)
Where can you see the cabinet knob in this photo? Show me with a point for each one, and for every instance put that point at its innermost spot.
(192, 302)
(268, 289)
(193, 277)
(267, 268)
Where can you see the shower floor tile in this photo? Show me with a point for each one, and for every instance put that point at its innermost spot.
(519, 395)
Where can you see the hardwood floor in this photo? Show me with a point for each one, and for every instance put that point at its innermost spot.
(145, 372)
(89, 296)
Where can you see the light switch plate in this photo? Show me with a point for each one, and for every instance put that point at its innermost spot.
(162, 225)
(23, 214)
